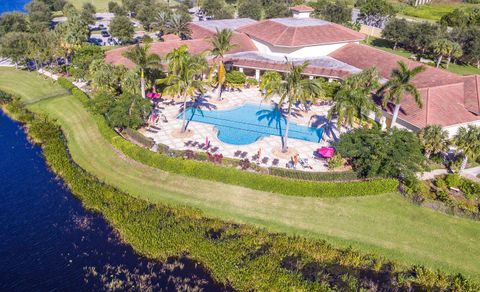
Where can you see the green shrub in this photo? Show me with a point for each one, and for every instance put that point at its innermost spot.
(443, 196)
(335, 162)
(453, 180)
(251, 81)
(314, 176)
(236, 78)
(65, 83)
(139, 138)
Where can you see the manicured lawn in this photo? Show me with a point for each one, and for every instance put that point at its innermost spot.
(386, 224)
(385, 45)
(30, 86)
(432, 11)
(101, 5)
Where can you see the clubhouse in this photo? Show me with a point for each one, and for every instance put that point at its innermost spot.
(334, 53)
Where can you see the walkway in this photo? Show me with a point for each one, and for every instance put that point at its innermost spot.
(269, 146)
(470, 173)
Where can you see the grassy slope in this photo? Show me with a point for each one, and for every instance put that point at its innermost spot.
(22, 84)
(384, 224)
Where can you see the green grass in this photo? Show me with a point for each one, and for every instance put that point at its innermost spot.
(32, 87)
(433, 11)
(386, 224)
(100, 5)
(386, 46)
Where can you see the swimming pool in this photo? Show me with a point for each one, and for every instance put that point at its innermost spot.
(248, 123)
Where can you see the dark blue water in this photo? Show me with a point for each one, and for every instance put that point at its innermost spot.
(12, 5)
(49, 242)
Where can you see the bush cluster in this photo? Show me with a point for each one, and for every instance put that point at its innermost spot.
(314, 176)
(245, 257)
(65, 83)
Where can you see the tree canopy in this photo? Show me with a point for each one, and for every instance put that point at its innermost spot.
(373, 152)
(122, 28)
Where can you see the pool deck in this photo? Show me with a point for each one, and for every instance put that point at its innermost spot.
(316, 116)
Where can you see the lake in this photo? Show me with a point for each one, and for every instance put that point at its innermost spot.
(50, 242)
(12, 5)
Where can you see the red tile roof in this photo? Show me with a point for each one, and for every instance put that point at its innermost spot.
(282, 35)
(196, 46)
(198, 32)
(283, 67)
(472, 93)
(171, 37)
(363, 57)
(302, 8)
(448, 99)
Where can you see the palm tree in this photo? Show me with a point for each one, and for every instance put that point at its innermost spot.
(455, 52)
(353, 101)
(291, 90)
(468, 140)
(434, 140)
(178, 25)
(441, 47)
(221, 44)
(161, 21)
(139, 55)
(184, 77)
(399, 84)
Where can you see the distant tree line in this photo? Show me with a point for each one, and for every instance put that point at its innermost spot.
(462, 44)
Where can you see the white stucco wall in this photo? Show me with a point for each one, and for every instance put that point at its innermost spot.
(305, 52)
(452, 130)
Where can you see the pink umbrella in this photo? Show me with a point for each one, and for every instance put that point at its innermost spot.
(326, 152)
(150, 94)
(157, 95)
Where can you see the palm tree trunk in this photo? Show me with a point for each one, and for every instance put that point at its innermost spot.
(395, 115)
(464, 163)
(287, 126)
(439, 60)
(449, 59)
(184, 124)
(219, 92)
(142, 83)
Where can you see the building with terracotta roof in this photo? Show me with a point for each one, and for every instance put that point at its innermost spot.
(334, 52)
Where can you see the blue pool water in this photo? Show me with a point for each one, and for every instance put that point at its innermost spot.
(248, 123)
(12, 5)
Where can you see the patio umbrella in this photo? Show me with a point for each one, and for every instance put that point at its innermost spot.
(326, 152)
(150, 94)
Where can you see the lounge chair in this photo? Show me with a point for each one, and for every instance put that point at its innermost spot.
(237, 153)
(214, 149)
(164, 118)
(275, 162)
(304, 163)
(156, 128)
(151, 131)
(265, 160)
(244, 154)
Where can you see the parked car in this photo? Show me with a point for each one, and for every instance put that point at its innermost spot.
(105, 34)
(95, 41)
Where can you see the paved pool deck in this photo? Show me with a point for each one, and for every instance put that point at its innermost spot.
(269, 145)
